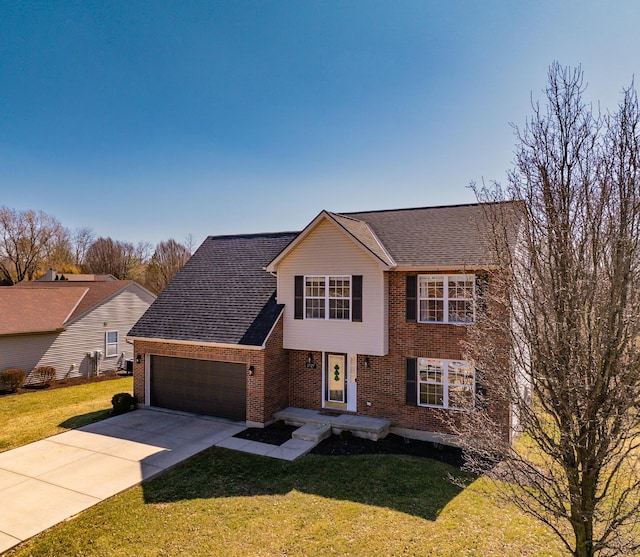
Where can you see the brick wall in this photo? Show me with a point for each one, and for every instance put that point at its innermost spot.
(276, 374)
(255, 383)
(383, 383)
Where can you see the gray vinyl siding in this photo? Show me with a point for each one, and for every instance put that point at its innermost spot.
(67, 351)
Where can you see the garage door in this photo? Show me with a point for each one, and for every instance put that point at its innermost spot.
(199, 386)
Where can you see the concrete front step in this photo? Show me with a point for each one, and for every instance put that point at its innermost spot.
(359, 426)
(312, 432)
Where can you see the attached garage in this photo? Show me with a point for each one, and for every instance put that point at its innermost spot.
(205, 387)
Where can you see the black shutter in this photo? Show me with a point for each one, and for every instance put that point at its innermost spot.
(412, 297)
(482, 283)
(412, 381)
(356, 298)
(481, 390)
(298, 308)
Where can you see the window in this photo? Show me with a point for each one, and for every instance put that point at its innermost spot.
(111, 344)
(327, 297)
(446, 298)
(445, 383)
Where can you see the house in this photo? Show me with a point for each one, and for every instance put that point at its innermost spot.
(53, 275)
(78, 327)
(359, 314)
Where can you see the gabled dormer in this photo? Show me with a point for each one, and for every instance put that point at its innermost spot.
(331, 280)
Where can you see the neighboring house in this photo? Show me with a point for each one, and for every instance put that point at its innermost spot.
(78, 327)
(53, 275)
(360, 313)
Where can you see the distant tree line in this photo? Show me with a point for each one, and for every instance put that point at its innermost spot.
(31, 242)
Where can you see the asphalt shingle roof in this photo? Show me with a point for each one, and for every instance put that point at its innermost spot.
(451, 236)
(222, 295)
(38, 310)
(97, 292)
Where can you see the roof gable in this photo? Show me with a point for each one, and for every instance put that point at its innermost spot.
(222, 295)
(98, 292)
(356, 230)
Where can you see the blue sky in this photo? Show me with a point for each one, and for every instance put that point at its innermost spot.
(158, 119)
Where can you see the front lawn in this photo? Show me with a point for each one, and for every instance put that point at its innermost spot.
(33, 416)
(226, 503)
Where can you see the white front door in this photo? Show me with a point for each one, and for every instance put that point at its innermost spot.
(335, 381)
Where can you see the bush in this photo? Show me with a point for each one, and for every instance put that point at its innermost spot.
(122, 403)
(43, 375)
(12, 379)
(346, 435)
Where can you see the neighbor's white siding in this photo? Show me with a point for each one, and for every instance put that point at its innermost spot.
(67, 351)
(329, 251)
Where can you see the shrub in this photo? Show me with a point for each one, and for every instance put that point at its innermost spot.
(122, 403)
(12, 379)
(43, 375)
(279, 424)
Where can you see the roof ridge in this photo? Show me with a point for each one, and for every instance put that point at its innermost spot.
(348, 214)
(253, 235)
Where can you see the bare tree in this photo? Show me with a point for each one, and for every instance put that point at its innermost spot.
(81, 240)
(168, 258)
(24, 238)
(120, 259)
(571, 295)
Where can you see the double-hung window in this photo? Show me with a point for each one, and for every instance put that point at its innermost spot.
(446, 298)
(111, 344)
(327, 297)
(445, 383)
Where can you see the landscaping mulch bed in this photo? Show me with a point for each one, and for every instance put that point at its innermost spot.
(345, 445)
(275, 434)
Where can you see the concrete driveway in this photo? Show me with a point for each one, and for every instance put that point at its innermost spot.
(48, 481)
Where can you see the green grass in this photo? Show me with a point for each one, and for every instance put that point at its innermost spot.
(226, 503)
(33, 416)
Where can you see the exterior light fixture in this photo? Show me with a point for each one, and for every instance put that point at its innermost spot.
(310, 363)
(367, 362)
(138, 358)
(251, 370)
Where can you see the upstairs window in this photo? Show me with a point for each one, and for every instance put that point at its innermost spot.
(446, 298)
(327, 297)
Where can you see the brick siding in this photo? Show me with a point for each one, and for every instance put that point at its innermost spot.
(383, 383)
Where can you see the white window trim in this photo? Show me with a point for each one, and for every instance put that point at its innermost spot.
(445, 383)
(327, 298)
(445, 299)
(107, 344)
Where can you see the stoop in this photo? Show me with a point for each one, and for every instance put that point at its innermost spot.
(312, 432)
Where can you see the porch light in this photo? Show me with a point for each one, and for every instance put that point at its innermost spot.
(138, 358)
(251, 370)
(367, 362)
(310, 363)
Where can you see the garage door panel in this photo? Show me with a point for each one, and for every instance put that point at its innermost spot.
(199, 386)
